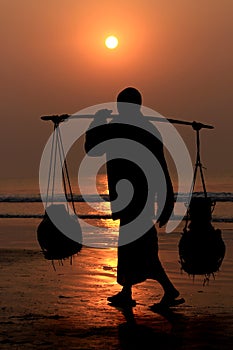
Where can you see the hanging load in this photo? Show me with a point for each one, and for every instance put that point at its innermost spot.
(59, 233)
(54, 243)
(201, 247)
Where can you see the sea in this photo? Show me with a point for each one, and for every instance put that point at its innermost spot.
(20, 200)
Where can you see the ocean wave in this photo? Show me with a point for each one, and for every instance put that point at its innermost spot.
(40, 216)
(57, 198)
(183, 197)
(101, 216)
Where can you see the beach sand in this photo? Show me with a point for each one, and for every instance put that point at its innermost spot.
(66, 308)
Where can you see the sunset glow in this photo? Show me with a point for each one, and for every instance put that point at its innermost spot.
(182, 66)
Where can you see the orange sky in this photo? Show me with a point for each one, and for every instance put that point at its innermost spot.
(179, 53)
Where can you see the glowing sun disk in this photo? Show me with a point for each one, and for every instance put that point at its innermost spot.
(111, 42)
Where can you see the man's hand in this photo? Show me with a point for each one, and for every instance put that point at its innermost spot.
(166, 212)
(163, 220)
(103, 114)
(100, 117)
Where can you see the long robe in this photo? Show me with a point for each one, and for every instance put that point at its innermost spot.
(137, 254)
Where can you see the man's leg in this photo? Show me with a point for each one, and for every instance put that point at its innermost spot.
(170, 297)
(123, 298)
(165, 282)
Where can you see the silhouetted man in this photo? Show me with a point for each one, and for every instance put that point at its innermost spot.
(137, 172)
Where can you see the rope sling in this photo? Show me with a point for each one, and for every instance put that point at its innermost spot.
(201, 248)
(56, 245)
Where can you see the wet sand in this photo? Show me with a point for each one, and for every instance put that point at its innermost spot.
(67, 309)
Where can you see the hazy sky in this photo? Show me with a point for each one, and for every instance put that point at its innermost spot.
(178, 53)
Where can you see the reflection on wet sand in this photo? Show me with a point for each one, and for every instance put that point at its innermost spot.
(67, 308)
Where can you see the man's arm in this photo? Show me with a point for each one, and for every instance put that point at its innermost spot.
(169, 200)
(97, 133)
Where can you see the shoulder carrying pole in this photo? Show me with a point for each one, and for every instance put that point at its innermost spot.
(64, 117)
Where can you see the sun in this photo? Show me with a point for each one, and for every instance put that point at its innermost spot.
(111, 42)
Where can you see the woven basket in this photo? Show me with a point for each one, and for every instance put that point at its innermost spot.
(201, 248)
(56, 245)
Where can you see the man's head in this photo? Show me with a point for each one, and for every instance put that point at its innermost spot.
(126, 98)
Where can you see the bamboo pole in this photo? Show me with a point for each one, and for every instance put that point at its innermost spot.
(63, 117)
